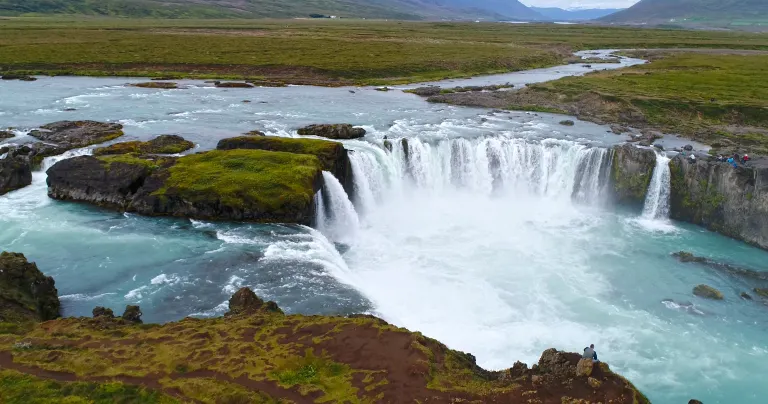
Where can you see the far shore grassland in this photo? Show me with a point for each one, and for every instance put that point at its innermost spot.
(321, 52)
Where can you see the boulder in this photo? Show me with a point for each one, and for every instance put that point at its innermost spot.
(762, 292)
(694, 401)
(132, 314)
(103, 312)
(163, 144)
(745, 296)
(244, 301)
(232, 84)
(631, 173)
(425, 91)
(20, 77)
(6, 134)
(685, 256)
(688, 147)
(560, 364)
(567, 122)
(584, 367)
(255, 133)
(333, 156)
(333, 131)
(157, 84)
(243, 185)
(707, 292)
(594, 383)
(15, 172)
(26, 294)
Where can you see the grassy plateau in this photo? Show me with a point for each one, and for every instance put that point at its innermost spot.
(324, 52)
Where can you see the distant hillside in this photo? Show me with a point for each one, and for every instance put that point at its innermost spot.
(558, 14)
(657, 11)
(382, 9)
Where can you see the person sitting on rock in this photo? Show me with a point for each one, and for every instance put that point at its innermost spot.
(744, 159)
(589, 352)
(731, 162)
(692, 158)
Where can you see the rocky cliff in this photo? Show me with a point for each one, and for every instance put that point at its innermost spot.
(731, 201)
(15, 172)
(249, 185)
(631, 173)
(26, 295)
(257, 354)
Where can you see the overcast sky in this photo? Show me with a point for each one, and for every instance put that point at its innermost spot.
(580, 3)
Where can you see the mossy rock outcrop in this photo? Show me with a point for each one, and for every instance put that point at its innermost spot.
(259, 355)
(249, 185)
(631, 174)
(6, 134)
(332, 155)
(708, 292)
(333, 131)
(157, 84)
(731, 201)
(26, 294)
(163, 144)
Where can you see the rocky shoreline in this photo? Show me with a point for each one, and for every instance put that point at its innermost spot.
(256, 353)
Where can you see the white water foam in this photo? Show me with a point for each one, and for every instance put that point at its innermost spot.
(657, 200)
(339, 221)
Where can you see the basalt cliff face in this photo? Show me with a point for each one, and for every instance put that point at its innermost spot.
(731, 201)
(258, 354)
(631, 172)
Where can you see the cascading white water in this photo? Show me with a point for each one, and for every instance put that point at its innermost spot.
(657, 201)
(487, 165)
(336, 216)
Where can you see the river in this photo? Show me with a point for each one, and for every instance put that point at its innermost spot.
(494, 235)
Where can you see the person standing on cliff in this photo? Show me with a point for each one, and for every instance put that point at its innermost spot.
(589, 352)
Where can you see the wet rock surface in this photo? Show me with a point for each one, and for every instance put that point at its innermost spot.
(631, 173)
(333, 131)
(15, 170)
(157, 84)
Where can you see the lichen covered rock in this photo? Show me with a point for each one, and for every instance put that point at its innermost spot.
(584, 367)
(163, 144)
(132, 314)
(157, 84)
(103, 312)
(26, 294)
(707, 292)
(333, 131)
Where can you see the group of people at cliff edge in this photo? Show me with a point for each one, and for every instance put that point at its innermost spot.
(733, 160)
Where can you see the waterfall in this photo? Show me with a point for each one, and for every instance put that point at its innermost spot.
(336, 216)
(657, 200)
(487, 165)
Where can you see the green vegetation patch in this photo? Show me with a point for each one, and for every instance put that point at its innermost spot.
(269, 181)
(165, 144)
(128, 159)
(327, 151)
(19, 388)
(312, 372)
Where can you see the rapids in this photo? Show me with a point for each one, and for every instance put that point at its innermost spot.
(489, 231)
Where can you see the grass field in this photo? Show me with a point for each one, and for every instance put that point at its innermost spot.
(721, 99)
(327, 52)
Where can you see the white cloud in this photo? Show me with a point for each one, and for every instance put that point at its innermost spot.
(571, 4)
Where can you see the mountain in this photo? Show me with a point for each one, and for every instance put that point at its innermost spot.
(389, 9)
(656, 11)
(558, 14)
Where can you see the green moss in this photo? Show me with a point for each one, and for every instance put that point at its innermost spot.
(327, 151)
(627, 186)
(266, 181)
(18, 388)
(161, 145)
(128, 159)
(312, 373)
(457, 373)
